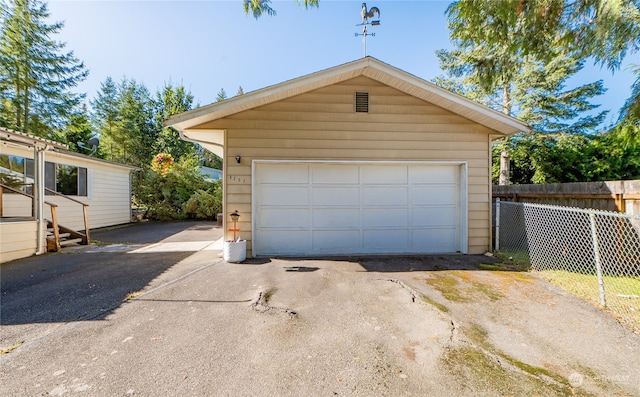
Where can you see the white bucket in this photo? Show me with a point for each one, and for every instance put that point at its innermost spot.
(235, 251)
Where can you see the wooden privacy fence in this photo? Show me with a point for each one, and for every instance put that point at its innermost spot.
(618, 196)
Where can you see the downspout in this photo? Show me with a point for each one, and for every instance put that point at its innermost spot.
(38, 194)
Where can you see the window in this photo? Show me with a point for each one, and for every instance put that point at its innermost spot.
(18, 172)
(12, 171)
(65, 179)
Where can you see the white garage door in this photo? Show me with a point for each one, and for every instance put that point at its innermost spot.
(310, 208)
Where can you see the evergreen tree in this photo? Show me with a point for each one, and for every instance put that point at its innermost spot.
(259, 7)
(105, 107)
(124, 118)
(36, 75)
(221, 96)
(500, 63)
(77, 133)
(169, 101)
(240, 91)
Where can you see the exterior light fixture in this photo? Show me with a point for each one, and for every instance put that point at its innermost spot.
(238, 158)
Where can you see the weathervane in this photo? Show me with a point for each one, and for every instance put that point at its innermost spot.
(366, 14)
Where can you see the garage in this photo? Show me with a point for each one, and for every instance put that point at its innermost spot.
(360, 158)
(307, 208)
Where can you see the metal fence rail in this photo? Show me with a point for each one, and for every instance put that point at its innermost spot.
(592, 254)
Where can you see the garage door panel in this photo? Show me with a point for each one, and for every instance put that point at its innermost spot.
(383, 175)
(336, 196)
(335, 174)
(434, 195)
(284, 218)
(335, 241)
(385, 217)
(386, 241)
(283, 173)
(436, 239)
(284, 242)
(433, 216)
(428, 174)
(278, 195)
(387, 196)
(336, 218)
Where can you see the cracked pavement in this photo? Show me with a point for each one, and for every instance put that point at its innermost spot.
(376, 326)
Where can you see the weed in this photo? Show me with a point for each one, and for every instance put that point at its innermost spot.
(132, 295)
(438, 306)
(479, 366)
(488, 291)
(447, 285)
(9, 349)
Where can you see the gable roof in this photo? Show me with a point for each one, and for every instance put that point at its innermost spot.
(369, 67)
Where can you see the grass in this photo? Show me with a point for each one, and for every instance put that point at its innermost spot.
(133, 295)
(479, 366)
(517, 261)
(622, 294)
(438, 306)
(448, 286)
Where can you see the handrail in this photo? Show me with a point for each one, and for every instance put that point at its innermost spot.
(65, 196)
(54, 215)
(84, 210)
(15, 190)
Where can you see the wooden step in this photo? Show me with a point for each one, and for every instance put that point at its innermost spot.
(61, 235)
(72, 241)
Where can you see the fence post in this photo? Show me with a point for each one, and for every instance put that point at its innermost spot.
(596, 251)
(496, 246)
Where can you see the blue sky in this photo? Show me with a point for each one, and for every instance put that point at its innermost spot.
(209, 45)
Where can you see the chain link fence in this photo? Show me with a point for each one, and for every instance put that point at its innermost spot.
(592, 254)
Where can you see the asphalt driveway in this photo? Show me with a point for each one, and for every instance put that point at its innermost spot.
(154, 310)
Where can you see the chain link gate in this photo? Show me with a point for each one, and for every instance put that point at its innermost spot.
(592, 254)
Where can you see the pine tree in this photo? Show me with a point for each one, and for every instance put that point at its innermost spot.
(221, 96)
(36, 75)
(124, 118)
(169, 101)
(516, 56)
(259, 7)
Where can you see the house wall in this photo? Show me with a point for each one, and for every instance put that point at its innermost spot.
(17, 240)
(109, 196)
(322, 125)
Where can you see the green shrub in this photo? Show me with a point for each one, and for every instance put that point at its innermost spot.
(179, 194)
(203, 205)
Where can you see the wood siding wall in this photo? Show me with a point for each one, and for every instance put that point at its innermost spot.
(323, 125)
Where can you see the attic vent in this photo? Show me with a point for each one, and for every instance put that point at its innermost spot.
(362, 102)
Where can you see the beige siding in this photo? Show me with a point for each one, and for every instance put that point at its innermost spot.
(17, 240)
(322, 125)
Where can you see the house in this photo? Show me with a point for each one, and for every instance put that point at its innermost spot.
(210, 174)
(361, 158)
(52, 185)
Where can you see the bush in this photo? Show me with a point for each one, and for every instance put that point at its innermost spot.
(180, 193)
(203, 205)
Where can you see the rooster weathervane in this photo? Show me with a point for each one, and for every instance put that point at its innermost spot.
(366, 15)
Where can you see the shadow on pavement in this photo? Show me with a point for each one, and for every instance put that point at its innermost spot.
(412, 263)
(87, 283)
